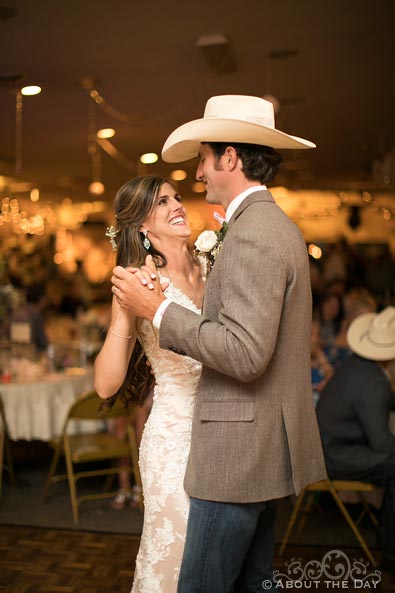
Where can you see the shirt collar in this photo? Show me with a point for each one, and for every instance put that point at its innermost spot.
(231, 209)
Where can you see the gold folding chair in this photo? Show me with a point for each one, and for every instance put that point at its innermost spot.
(5, 450)
(92, 447)
(334, 487)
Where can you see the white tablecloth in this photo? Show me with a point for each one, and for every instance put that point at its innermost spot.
(36, 409)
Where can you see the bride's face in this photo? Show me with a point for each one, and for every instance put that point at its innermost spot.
(167, 220)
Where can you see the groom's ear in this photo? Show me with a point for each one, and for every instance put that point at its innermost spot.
(230, 158)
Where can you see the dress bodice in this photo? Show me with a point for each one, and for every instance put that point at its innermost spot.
(176, 376)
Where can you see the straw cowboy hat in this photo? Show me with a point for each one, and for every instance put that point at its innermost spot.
(372, 335)
(229, 118)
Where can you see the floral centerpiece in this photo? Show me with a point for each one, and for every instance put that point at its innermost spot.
(207, 246)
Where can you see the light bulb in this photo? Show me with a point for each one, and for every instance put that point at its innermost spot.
(148, 158)
(97, 188)
(31, 90)
(106, 133)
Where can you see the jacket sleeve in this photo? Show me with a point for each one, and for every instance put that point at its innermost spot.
(240, 342)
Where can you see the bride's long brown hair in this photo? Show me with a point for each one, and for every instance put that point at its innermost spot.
(133, 204)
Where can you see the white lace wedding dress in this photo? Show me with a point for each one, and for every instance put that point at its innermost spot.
(163, 456)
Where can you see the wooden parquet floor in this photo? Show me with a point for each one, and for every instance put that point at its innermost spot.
(39, 560)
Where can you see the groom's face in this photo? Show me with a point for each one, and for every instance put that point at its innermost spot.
(214, 176)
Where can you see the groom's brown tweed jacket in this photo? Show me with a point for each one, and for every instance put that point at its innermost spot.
(254, 434)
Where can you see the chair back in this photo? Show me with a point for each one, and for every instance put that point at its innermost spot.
(334, 487)
(81, 446)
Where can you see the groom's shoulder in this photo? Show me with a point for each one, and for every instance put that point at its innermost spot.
(262, 217)
(261, 207)
(255, 201)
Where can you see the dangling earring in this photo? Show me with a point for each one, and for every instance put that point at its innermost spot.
(146, 242)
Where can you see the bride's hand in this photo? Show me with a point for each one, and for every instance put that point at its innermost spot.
(147, 274)
(131, 292)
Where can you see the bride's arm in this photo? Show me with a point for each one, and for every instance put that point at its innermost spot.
(112, 362)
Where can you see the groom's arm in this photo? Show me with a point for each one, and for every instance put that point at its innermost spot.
(240, 343)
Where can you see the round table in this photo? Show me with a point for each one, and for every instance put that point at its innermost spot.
(35, 409)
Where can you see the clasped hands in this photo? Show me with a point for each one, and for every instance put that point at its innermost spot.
(139, 290)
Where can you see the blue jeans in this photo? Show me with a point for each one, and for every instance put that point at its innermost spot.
(229, 548)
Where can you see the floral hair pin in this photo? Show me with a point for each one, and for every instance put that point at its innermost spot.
(112, 233)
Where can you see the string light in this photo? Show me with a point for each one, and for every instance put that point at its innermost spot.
(118, 156)
(343, 199)
(47, 217)
(372, 203)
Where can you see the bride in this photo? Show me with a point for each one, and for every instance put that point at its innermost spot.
(150, 218)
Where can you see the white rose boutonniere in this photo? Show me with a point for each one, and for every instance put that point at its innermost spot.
(206, 241)
(207, 247)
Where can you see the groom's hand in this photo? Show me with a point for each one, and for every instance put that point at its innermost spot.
(130, 289)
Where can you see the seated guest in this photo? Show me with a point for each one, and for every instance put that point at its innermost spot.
(329, 314)
(340, 350)
(321, 369)
(353, 416)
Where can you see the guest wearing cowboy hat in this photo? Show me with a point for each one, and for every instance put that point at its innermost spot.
(353, 416)
(254, 436)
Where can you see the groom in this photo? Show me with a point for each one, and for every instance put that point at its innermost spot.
(254, 435)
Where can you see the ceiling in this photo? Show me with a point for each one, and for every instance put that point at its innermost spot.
(329, 63)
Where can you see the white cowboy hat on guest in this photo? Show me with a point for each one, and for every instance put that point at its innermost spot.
(372, 335)
(230, 118)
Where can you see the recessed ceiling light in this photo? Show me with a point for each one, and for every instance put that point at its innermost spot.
(31, 90)
(106, 133)
(178, 175)
(148, 158)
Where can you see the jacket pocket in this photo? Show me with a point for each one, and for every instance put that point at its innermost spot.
(227, 411)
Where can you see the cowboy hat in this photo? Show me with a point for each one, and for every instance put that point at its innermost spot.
(229, 118)
(372, 335)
